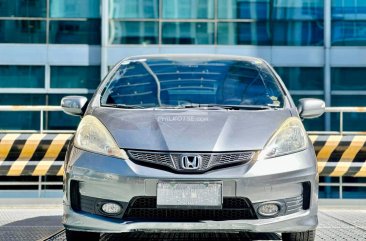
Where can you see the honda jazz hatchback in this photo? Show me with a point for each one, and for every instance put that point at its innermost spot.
(191, 143)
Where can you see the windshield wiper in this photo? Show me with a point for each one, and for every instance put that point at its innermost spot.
(191, 106)
(194, 106)
(245, 107)
(228, 107)
(123, 106)
(217, 106)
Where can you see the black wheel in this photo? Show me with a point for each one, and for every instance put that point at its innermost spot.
(80, 236)
(300, 236)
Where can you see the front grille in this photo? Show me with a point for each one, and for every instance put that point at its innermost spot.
(152, 157)
(145, 208)
(172, 160)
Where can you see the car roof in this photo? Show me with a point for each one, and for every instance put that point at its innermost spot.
(196, 56)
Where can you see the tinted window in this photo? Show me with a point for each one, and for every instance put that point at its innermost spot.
(134, 8)
(22, 31)
(15, 76)
(134, 32)
(23, 8)
(302, 78)
(188, 9)
(179, 81)
(75, 76)
(254, 33)
(247, 9)
(73, 9)
(188, 33)
(75, 32)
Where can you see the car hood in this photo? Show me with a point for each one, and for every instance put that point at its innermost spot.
(191, 130)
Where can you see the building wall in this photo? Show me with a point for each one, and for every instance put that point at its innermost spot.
(53, 48)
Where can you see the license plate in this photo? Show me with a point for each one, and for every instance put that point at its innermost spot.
(189, 195)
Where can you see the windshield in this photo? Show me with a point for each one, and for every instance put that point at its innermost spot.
(175, 82)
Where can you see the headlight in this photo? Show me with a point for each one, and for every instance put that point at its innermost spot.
(289, 138)
(92, 136)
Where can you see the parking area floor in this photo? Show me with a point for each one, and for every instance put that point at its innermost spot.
(40, 219)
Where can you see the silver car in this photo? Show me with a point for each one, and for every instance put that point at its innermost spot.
(191, 143)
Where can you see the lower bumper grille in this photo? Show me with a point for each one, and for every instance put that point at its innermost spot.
(145, 208)
(294, 205)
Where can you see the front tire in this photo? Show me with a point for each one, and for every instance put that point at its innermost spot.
(79, 236)
(300, 236)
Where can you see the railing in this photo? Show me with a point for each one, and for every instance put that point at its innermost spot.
(42, 109)
(40, 182)
(341, 111)
(36, 108)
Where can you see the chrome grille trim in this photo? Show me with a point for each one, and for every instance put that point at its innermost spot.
(294, 205)
(173, 159)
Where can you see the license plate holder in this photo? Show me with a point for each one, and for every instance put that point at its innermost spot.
(183, 195)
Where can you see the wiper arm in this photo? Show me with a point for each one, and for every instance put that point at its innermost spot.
(191, 106)
(215, 107)
(201, 106)
(244, 107)
(218, 106)
(123, 106)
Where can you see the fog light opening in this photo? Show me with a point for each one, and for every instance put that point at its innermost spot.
(268, 209)
(111, 208)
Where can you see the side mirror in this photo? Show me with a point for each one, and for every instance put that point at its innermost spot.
(74, 105)
(310, 108)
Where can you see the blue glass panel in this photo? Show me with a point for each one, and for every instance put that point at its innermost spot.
(254, 33)
(15, 76)
(348, 78)
(23, 8)
(354, 192)
(298, 33)
(74, 9)
(302, 78)
(75, 77)
(75, 32)
(22, 31)
(134, 32)
(193, 9)
(243, 9)
(348, 33)
(188, 33)
(349, 9)
(298, 10)
(134, 9)
(328, 192)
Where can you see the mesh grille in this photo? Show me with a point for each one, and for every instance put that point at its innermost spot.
(151, 157)
(173, 159)
(230, 158)
(144, 208)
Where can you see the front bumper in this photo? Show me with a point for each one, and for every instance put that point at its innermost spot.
(262, 180)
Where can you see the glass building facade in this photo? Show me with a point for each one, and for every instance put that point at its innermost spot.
(53, 48)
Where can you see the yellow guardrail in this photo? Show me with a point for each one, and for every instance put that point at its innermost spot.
(33, 154)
